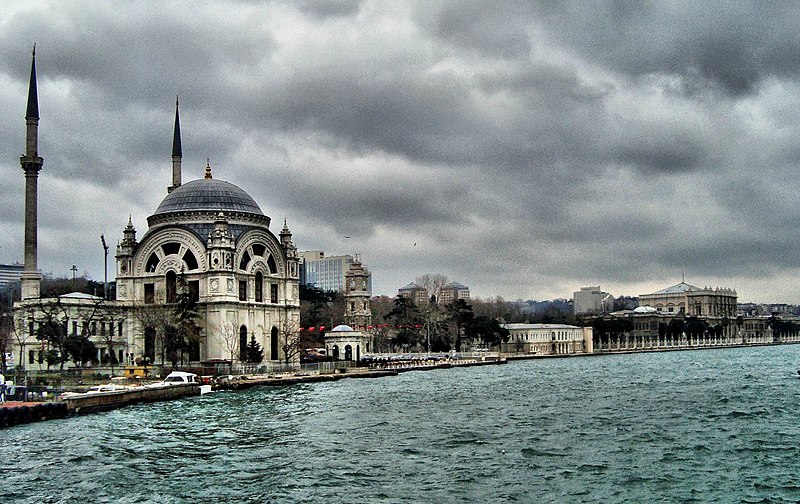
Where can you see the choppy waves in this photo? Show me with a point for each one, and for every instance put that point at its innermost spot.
(712, 426)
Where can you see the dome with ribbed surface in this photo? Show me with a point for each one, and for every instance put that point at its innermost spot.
(205, 195)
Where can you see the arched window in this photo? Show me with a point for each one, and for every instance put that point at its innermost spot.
(273, 268)
(259, 287)
(273, 343)
(245, 260)
(190, 260)
(172, 286)
(152, 263)
(335, 352)
(348, 353)
(243, 343)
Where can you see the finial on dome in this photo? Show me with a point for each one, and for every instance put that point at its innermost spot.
(208, 169)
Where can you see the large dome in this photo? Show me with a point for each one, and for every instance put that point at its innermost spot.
(205, 195)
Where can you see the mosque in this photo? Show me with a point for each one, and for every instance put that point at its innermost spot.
(208, 241)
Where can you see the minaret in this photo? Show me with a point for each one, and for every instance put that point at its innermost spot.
(176, 151)
(31, 164)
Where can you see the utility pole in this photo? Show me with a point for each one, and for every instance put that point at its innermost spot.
(105, 265)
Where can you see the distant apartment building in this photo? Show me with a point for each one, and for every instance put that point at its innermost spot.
(592, 300)
(9, 274)
(326, 273)
(452, 292)
(414, 291)
(448, 293)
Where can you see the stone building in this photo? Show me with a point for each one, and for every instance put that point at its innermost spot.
(691, 300)
(208, 239)
(548, 339)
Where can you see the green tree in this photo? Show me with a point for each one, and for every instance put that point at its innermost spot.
(80, 349)
(489, 330)
(459, 316)
(253, 352)
(319, 307)
(407, 320)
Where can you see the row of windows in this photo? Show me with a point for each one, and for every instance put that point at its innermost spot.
(87, 328)
(194, 289)
(549, 336)
(258, 289)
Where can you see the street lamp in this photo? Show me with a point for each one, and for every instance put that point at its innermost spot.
(105, 265)
(74, 269)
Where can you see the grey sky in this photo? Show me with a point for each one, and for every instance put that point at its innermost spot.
(526, 148)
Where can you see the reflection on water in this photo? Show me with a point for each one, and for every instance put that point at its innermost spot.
(716, 425)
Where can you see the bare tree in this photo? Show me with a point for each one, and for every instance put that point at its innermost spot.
(433, 283)
(111, 336)
(156, 318)
(227, 334)
(289, 339)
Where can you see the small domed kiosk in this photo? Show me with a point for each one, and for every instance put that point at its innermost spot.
(347, 344)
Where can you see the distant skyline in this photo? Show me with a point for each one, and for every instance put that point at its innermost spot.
(524, 149)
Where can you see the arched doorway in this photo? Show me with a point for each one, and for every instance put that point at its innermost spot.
(243, 343)
(150, 343)
(348, 353)
(273, 343)
(335, 352)
(172, 287)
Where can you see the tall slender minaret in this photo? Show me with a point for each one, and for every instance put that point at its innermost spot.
(176, 151)
(31, 164)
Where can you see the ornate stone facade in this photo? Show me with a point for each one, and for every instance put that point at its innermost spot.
(691, 300)
(208, 239)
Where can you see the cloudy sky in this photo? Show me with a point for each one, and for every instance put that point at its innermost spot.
(524, 149)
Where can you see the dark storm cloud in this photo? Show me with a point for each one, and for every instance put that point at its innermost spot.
(329, 8)
(734, 46)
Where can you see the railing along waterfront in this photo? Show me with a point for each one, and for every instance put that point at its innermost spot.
(628, 343)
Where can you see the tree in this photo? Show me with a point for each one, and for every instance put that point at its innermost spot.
(489, 331)
(459, 317)
(227, 335)
(111, 336)
(289, 339)
(154, 320)
(432, 283)
(319, 307)
(253, 352)
(187, 331)
(80, 349)
(407, 319)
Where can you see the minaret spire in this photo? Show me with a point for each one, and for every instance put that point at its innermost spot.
(176, 151)
(31, 164)
(33, 95)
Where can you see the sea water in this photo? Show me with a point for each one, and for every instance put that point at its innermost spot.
(695, 426)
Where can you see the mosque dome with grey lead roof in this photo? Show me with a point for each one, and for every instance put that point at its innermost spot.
(208, 195)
